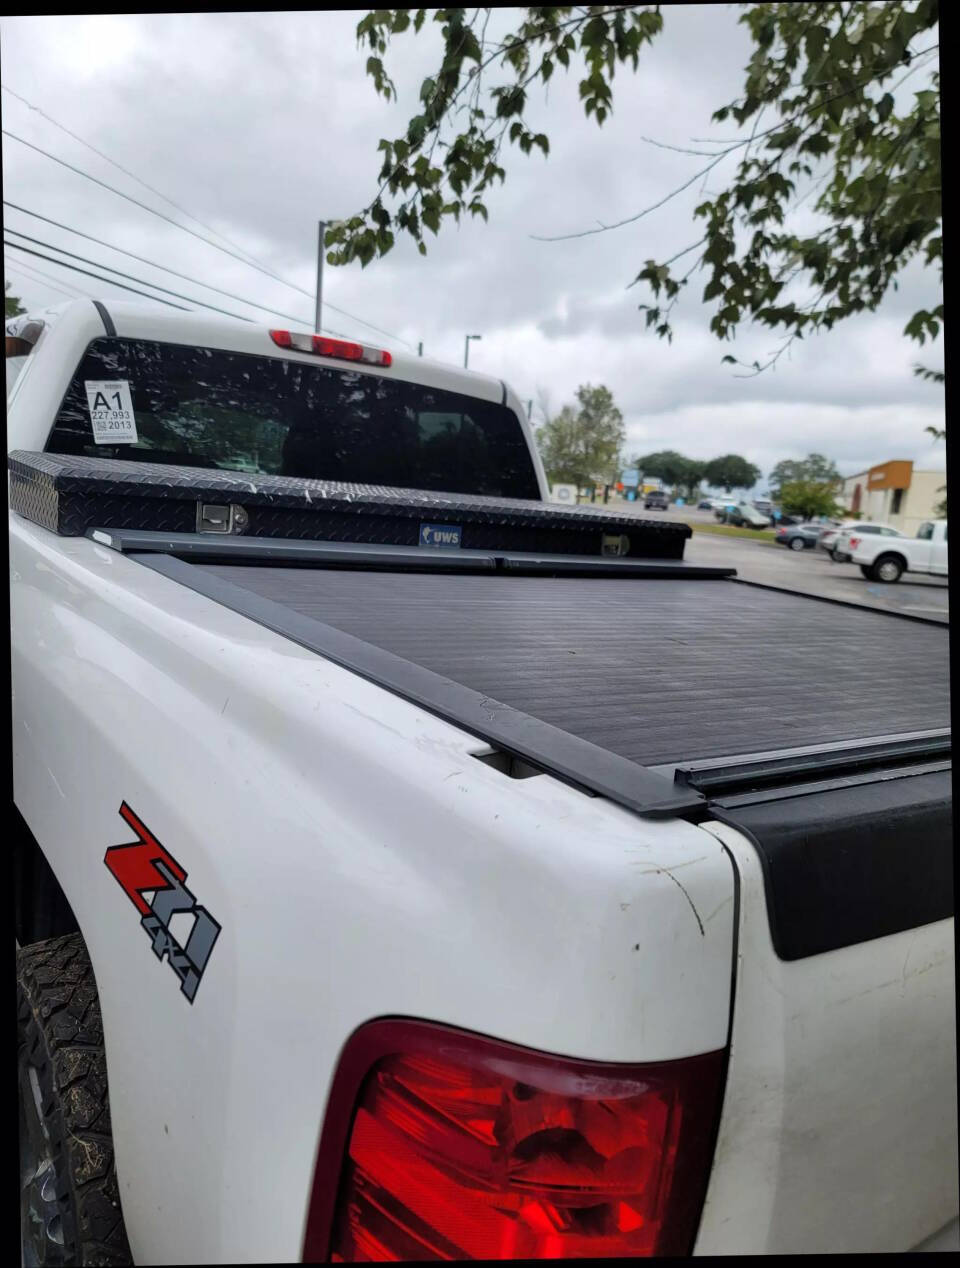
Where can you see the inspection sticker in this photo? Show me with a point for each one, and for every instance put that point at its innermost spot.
(111, 411)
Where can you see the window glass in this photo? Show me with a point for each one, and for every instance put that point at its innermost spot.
(203, 407)
(14, 366)
(925, 532)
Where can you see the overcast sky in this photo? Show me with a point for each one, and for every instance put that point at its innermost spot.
(258, 124)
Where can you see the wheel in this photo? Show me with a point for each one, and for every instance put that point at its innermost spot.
(835, 557)
(69, 1200)
(865, 570)
(887, 568)
(797, 543)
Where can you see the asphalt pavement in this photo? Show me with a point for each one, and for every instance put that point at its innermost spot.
(806, 572)
(814, 572)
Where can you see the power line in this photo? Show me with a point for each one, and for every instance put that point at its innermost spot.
(145, 207)
(186, 229)
(32, 275)
(153, 264)
(126, 171)
(141, 281)
(86, 272)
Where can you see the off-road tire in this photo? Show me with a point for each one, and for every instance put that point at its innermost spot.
(60, 1035)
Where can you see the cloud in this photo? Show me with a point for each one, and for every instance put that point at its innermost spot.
(262, 123)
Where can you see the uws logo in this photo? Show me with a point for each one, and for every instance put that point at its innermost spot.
(440, 535)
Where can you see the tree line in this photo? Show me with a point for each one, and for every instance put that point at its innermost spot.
(583, 444)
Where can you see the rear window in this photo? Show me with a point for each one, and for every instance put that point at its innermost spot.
(204, 407)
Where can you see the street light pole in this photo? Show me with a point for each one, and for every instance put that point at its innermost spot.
(466, 348)
(320, 237)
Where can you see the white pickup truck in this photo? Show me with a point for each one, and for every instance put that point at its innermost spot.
(883, 559)
(380, 843)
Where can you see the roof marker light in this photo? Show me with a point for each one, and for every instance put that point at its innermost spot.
(338, 349)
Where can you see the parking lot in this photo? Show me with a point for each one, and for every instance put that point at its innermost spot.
(808, 571)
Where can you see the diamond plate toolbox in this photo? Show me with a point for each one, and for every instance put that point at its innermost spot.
(70, 495)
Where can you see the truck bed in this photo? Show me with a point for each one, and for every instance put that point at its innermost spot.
(576, 639)
(598, 679)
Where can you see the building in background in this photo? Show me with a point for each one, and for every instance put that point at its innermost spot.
(902, 492)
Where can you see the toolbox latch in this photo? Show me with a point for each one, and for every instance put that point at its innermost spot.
(214, 517)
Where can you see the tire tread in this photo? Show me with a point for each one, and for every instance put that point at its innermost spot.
(59, 1022)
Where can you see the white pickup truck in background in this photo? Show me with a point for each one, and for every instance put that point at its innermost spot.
(886, 559)
(388, 840)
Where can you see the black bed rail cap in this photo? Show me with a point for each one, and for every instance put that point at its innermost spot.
(226, 548)
(560, 753)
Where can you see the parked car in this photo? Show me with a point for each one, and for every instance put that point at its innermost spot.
(784, 519)
(705, 504)
(840, 550)
(882, 560)
(656, 501)
(743, 515)
(764, 505)
(799, 536)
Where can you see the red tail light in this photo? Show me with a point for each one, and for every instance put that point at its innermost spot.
(322, 346)
(854, 543)
(443, 1145)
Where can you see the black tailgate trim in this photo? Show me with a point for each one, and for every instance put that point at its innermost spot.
(845, 865)
(722, 777)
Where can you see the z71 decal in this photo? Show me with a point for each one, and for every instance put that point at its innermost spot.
(144, 866)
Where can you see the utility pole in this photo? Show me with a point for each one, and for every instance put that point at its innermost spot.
(320, 237)
(420, 348)
(529, 409)
(466, 348)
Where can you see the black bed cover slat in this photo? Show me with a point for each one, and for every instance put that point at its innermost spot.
(652, 671)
